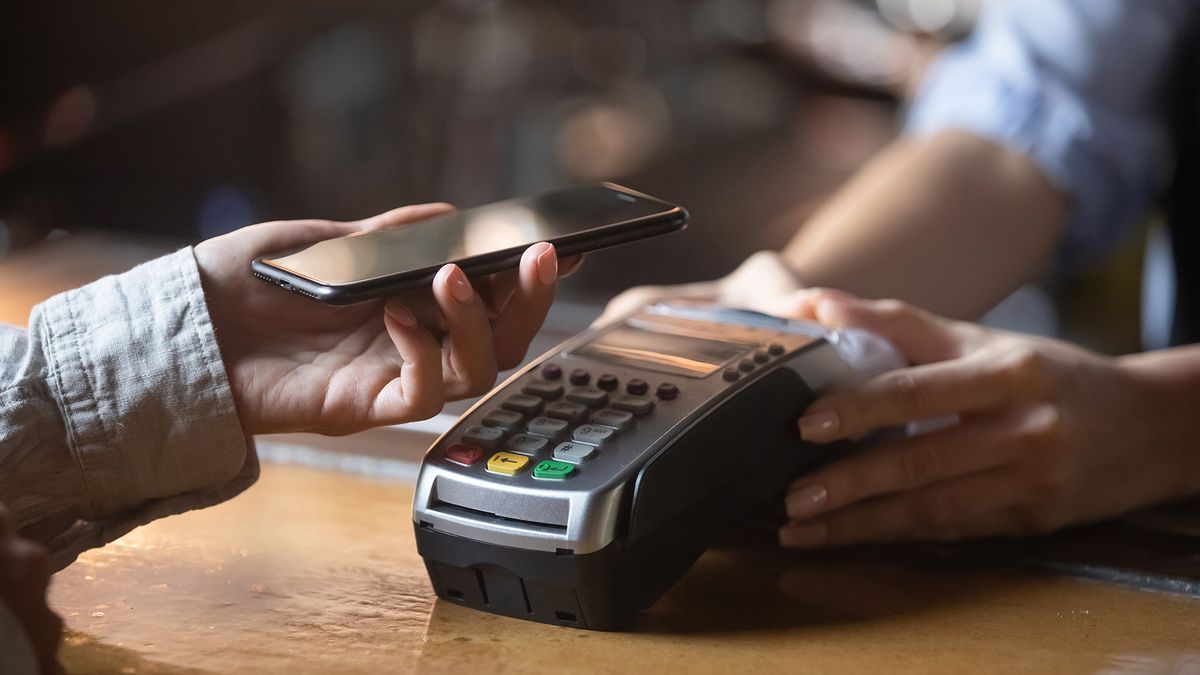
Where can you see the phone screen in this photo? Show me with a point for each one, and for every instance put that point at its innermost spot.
(486, 229)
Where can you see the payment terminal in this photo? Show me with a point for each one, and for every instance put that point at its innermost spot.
(580, 489)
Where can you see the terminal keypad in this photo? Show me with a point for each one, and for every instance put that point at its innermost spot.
(552, 432)
(548, 426)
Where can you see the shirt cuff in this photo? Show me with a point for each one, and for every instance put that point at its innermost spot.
(1105, 161)
(134, 363)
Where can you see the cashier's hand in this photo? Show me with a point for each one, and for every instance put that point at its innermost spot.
(1049, 435)
(296, 364)
(763, 282)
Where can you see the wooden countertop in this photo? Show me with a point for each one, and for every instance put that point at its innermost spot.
(313, 571)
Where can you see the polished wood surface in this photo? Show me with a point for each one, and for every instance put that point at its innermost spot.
(316, 571)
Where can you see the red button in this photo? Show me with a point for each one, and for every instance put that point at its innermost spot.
(667, 391)
(464, 454)
(551, 371)
(580, 377)
(637, 387)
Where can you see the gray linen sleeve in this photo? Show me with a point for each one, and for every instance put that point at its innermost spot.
(115, 409)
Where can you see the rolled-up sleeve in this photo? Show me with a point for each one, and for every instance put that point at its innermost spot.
(1077, 86)
(115, 409)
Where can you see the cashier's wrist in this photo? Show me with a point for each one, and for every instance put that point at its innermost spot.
(1169, 385)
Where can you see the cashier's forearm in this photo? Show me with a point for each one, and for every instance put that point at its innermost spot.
(952, 223)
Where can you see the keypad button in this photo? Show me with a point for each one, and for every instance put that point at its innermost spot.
(527, 444)
(504, 419)
(638, 405)
(667, 391)
(617, 419)
(553, 470)
(523, 403)
(637, 386)
(464, 454)
(484, 437)
(745, 365)
(552, 371)
(589, 396)
(547, 426)
(580, 377)
(506, 463)
(543, 389)
(730, 374)
(565, 410)
(573, 452)
(775, 349)
(592, 434)
(761, 356)
(607, 382)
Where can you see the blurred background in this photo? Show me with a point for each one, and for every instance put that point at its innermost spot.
(166, 123)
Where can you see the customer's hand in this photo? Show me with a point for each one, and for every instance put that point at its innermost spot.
(296, 364)
(763, 282)
(1049, 434)
(24, 579)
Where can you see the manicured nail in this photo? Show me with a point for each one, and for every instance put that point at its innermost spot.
(807, 501)
(819, 425)
(547, 265)
(400, 314)
(803, 535)
(460, 288)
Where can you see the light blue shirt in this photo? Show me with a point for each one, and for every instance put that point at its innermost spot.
(1079, 87)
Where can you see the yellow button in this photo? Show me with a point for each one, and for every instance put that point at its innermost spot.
(507, 463)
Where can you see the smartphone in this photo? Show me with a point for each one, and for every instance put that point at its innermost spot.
(482, 240)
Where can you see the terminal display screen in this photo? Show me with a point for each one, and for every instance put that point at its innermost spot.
(664, 352)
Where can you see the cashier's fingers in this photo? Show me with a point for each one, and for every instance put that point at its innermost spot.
(640, 296)
(976, 505)
(523, 313)
(469, 363)
(416, 392)
(921, 336)
(894, 398)
(904, 465)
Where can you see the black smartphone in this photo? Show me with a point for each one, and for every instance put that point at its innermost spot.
(481, 241)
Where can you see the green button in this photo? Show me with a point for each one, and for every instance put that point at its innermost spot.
(548, 468)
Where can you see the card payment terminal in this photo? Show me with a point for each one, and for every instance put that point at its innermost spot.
(580, 489)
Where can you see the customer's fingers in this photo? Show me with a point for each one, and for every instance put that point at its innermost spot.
(404, 215)
(469, 358)
(524, 313)
(569, 265)
(281, 235)
(8, 528)
(416, 392)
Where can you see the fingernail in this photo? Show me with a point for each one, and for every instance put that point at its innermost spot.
(819, 425)
(547, 265)
(826, 310)
(400, 314)
(460, 288)
(807, 501)
(803, 535)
